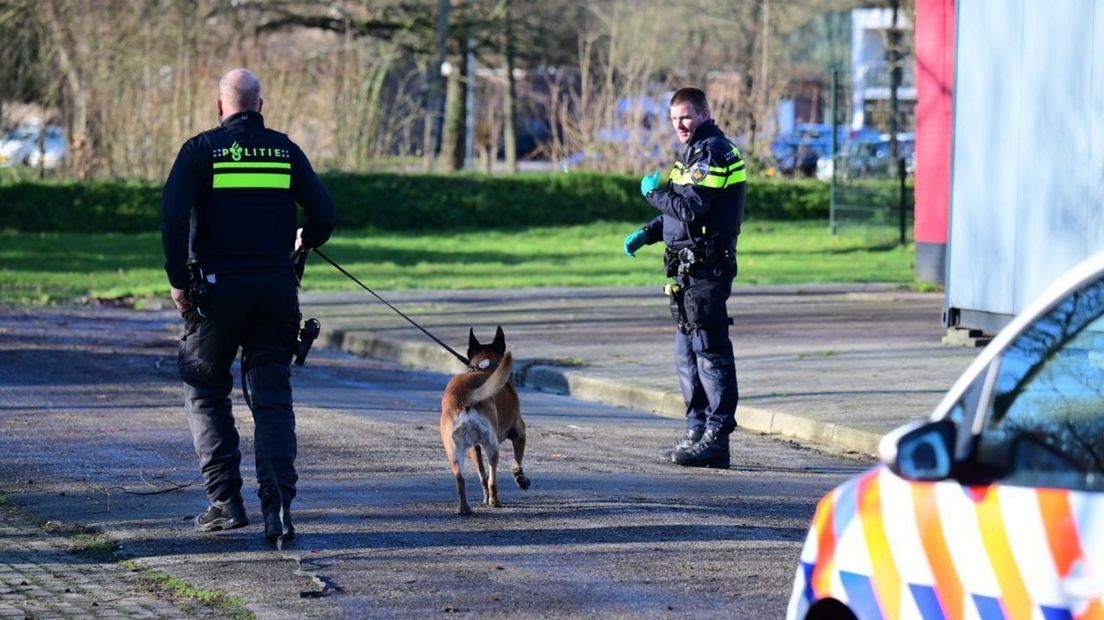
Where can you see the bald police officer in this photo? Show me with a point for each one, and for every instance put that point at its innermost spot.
(228, 230)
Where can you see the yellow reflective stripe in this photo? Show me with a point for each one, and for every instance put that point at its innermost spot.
(232, 180)
(252, 164)
(681, 179)
(714, 181)
(717, 181)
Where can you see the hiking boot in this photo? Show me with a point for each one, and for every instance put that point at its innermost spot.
(275, 527)
(228, 517)
(689, 438)
(710, 451)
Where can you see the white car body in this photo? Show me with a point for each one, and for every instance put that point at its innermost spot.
(16, 145)
(53, 149)
(992, 508)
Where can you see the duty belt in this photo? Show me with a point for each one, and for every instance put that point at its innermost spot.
(691, 260)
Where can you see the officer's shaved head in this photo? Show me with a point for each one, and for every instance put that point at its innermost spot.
(239, 90)
(693, 96)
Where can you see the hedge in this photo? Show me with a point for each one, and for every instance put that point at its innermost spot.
(400, 202)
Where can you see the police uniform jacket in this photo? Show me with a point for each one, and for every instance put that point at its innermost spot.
(229, 201)
(703, 203)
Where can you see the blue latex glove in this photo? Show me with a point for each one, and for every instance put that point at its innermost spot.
(649, 183)
(636, 240)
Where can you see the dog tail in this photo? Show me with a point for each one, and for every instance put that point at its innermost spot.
(494, 383)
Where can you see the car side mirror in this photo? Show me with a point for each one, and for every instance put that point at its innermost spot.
(920, 451)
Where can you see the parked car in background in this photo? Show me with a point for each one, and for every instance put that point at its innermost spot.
(871, 158)
(53, 149)
(16, 145)
(867, 156)
(29, 145)
(994, 506)
(797, 152)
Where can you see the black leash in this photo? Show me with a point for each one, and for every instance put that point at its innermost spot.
(463, 360)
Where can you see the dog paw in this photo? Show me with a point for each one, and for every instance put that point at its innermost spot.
(464, 510)
(522, 482)
(495, 503)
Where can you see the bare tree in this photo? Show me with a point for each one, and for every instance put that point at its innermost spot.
(354, 80)
(433, 80)
(509, 101)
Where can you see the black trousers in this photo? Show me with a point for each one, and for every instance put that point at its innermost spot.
(258, 313)
(704, 358)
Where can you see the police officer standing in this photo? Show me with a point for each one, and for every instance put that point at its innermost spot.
(700, 213)
(228, 230)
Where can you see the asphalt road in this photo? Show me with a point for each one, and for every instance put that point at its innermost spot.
(93, 432)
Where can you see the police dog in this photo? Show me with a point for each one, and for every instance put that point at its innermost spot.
(478, 410)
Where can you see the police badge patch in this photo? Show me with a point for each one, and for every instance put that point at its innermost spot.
(699, 171)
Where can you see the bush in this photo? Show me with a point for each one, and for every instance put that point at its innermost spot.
(400, 202)
(421, 201)
(98, 206)
(777, 199)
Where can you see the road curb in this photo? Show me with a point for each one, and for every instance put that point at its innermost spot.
(575, 382)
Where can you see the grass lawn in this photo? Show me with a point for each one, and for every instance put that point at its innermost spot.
(51, 268)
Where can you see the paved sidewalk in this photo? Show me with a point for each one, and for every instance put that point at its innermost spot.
(44, 574)
(838, 365)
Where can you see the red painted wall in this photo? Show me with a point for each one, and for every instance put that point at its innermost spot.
(935, 39)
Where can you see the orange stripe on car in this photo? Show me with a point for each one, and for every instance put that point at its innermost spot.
(948, 585)
(884, 576)
(1095, 611)
(824, 526)
(1014, 598)
(1065, 541)
(1061, 529)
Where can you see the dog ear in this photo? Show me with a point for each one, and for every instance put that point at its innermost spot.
(499, 344)
(473, 343)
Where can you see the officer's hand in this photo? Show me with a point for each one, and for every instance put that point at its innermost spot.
(180, 299)
(299, 240)
(636, 240)
(649, 183)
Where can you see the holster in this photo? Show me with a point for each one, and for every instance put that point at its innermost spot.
(674, 292)
(198, 287)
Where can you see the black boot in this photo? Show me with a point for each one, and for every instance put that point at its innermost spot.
(228, 517)
(278, 523)
(710, 451)
(689, 438)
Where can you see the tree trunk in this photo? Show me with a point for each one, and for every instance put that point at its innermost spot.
(509, 101)
(65, 47)
(433, 83)
(749, 79)
(456, 109)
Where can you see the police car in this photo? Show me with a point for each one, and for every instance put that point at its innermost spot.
(992, 508)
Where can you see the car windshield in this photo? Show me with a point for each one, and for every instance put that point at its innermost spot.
(21, 134)
(1046, 425)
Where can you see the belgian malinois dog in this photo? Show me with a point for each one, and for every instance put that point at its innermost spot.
(478, 410)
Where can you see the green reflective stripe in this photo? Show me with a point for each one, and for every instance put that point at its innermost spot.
(253, 164)
(246, 180)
